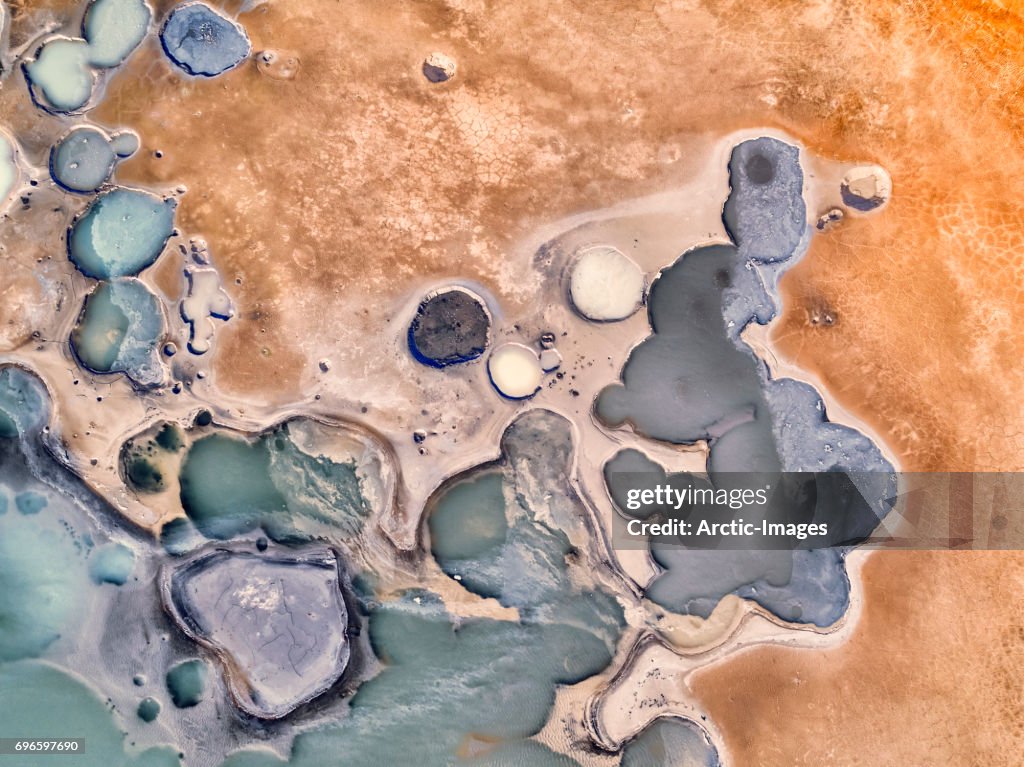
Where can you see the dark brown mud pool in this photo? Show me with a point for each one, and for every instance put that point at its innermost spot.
(450, 326)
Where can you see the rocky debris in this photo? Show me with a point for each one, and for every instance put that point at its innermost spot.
(829, 218)
(276, 621)
(866, 187)
(278, 65)
(438, 68)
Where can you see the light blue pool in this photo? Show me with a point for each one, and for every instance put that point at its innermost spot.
(120, 331)
(121, 233)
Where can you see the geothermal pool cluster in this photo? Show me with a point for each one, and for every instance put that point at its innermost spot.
(295, 590)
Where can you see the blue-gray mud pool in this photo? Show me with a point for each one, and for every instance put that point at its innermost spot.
(202, 41)
(695, 379)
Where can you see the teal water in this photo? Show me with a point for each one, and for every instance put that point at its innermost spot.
(187, 683)
(449, 684)
(521, 753)
(670, 743)
(83, 160)
(121, 233)
(30, 502)
(43, 584)
(145, 460)
(471, 520)
(41, 701)
(449, 688)
(226, 488)
(23, 402)
(231, 486)
(120, 331)
(148, 710)
(452, 690)
(179, 536)
(112, 563)
(471, 691)
(489, 544)
(170, 438)
(47, 597)
(114, 28)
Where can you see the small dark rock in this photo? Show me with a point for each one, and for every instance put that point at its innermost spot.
(439, 68)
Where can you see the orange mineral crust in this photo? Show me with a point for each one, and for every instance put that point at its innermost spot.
(340, 172)
(930, 677)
